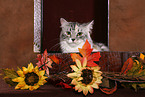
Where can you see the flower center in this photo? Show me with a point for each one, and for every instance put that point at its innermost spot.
(87, 76)
(31, 78)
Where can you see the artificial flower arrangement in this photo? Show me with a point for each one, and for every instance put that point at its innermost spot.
(78, 71)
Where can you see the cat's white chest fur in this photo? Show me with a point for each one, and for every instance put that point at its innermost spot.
(68, 49)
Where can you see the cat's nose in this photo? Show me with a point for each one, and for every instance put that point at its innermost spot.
(73, 39)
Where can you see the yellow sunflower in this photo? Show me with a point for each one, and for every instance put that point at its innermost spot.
(85, 78)
(30, 78)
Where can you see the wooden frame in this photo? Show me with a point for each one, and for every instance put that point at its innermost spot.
(37, 25)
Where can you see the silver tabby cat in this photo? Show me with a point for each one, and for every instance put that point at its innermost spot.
(73, 36)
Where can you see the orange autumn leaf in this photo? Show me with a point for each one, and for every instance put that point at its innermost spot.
(45, 54)
(86, 49)
(86, 52)
(54, 59)
(141, 68)
(75, 56)
(109, 91)
(127, 65)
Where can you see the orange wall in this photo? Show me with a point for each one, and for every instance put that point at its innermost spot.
(16, 33)
(127, 29)
(127, 25)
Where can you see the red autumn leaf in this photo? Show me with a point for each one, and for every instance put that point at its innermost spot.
(44, 55)
(39, 56)
(44, 63)
(109, 91)
(64, 85)
(54, 59)
(127, 65)
(92, 58)
(86, 52)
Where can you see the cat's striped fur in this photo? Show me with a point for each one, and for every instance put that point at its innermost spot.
(73, 36)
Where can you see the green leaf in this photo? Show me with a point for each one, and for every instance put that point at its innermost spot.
(10, 82)
(141, 85)
(10, 73)
(134, 86)
(134, 70)
(105, 83)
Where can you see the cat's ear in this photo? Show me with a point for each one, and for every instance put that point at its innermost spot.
(90, 24)
(63, 21)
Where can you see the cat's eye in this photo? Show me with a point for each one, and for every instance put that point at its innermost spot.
(68, 33)
(79, 34)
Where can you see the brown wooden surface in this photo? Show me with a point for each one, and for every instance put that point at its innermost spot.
(51, 91)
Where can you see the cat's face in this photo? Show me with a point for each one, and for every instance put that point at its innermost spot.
(74, 33)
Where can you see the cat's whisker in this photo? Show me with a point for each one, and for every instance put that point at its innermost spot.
(54, 47)
(51, 41)
(54, 39)
(58, 49)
